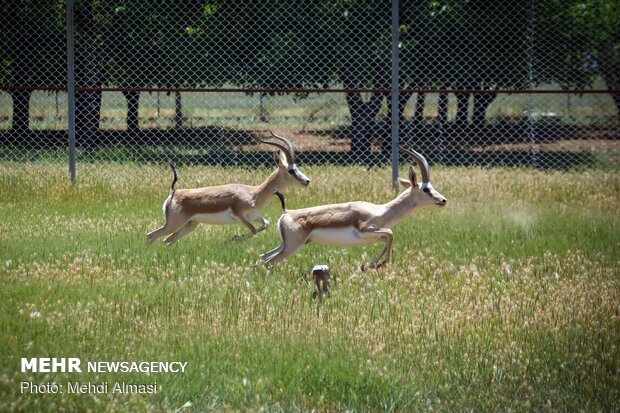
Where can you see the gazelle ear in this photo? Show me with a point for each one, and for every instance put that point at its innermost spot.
(412, 177)
(405, 183)
(282, 158)
(276, 157)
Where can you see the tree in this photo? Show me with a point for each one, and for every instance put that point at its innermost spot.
(181, 45)
(95, 23)
(273, 44)
(602, 19)
(465, 44)
(32, 52)
(319, 43)
(576, 42)
(363, 59)
(136, 53)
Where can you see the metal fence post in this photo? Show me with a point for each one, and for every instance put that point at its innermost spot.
(530, 85)
(395, 91)
(71, 88)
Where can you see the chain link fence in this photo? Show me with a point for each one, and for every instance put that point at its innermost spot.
(523, 83)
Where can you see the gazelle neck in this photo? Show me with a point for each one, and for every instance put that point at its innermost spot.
(398, 209)
(265, 191)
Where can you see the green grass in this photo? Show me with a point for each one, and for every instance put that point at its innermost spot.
(506, 299)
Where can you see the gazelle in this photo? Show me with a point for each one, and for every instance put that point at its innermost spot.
(354, 223)
(184, 209)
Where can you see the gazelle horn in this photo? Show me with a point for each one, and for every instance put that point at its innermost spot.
(419, 159)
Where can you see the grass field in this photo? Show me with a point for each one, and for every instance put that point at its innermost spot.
(506, 299)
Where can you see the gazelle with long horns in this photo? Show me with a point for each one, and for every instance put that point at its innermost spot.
(184, 209)
(354, 223)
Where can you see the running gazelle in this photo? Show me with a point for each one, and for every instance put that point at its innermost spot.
(184, 209)
(354, 223)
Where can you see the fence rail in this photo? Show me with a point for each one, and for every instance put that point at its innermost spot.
(531, 82)
(9, 88)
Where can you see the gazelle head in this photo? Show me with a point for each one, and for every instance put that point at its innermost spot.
(423, 194)
(285, 159)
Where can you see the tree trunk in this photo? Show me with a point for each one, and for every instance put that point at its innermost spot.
(362, 118)
(362, 122)
(262, 114)
(91, 58)
(21, 52)
(442, 109)
(613, 83)
(610, 71)
(462, 103)
(178, 110)
(21, 104)
(482, 102)
(403, 99)
(87, 116)
(442, 120)
(133, 102)
(87, 74)
(617, 102)
(418, 116)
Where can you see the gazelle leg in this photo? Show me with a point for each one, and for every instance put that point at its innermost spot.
(282, 254)
(172, 225)
(186, 229)
(384, 234)
(386, 253)
(264, 225)
(291, 243)
(241, 218)
(268, 254)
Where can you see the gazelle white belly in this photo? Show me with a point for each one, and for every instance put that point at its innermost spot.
(346, 236)
(217, 218)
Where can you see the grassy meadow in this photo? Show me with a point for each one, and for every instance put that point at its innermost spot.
(507, 299)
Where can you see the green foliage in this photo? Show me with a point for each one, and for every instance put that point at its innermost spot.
(580, 40)
(458, 43)
(210, 9)
(32, 43)
(465, 44)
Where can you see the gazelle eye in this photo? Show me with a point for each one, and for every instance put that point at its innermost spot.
(291, 171)
(426, 190)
